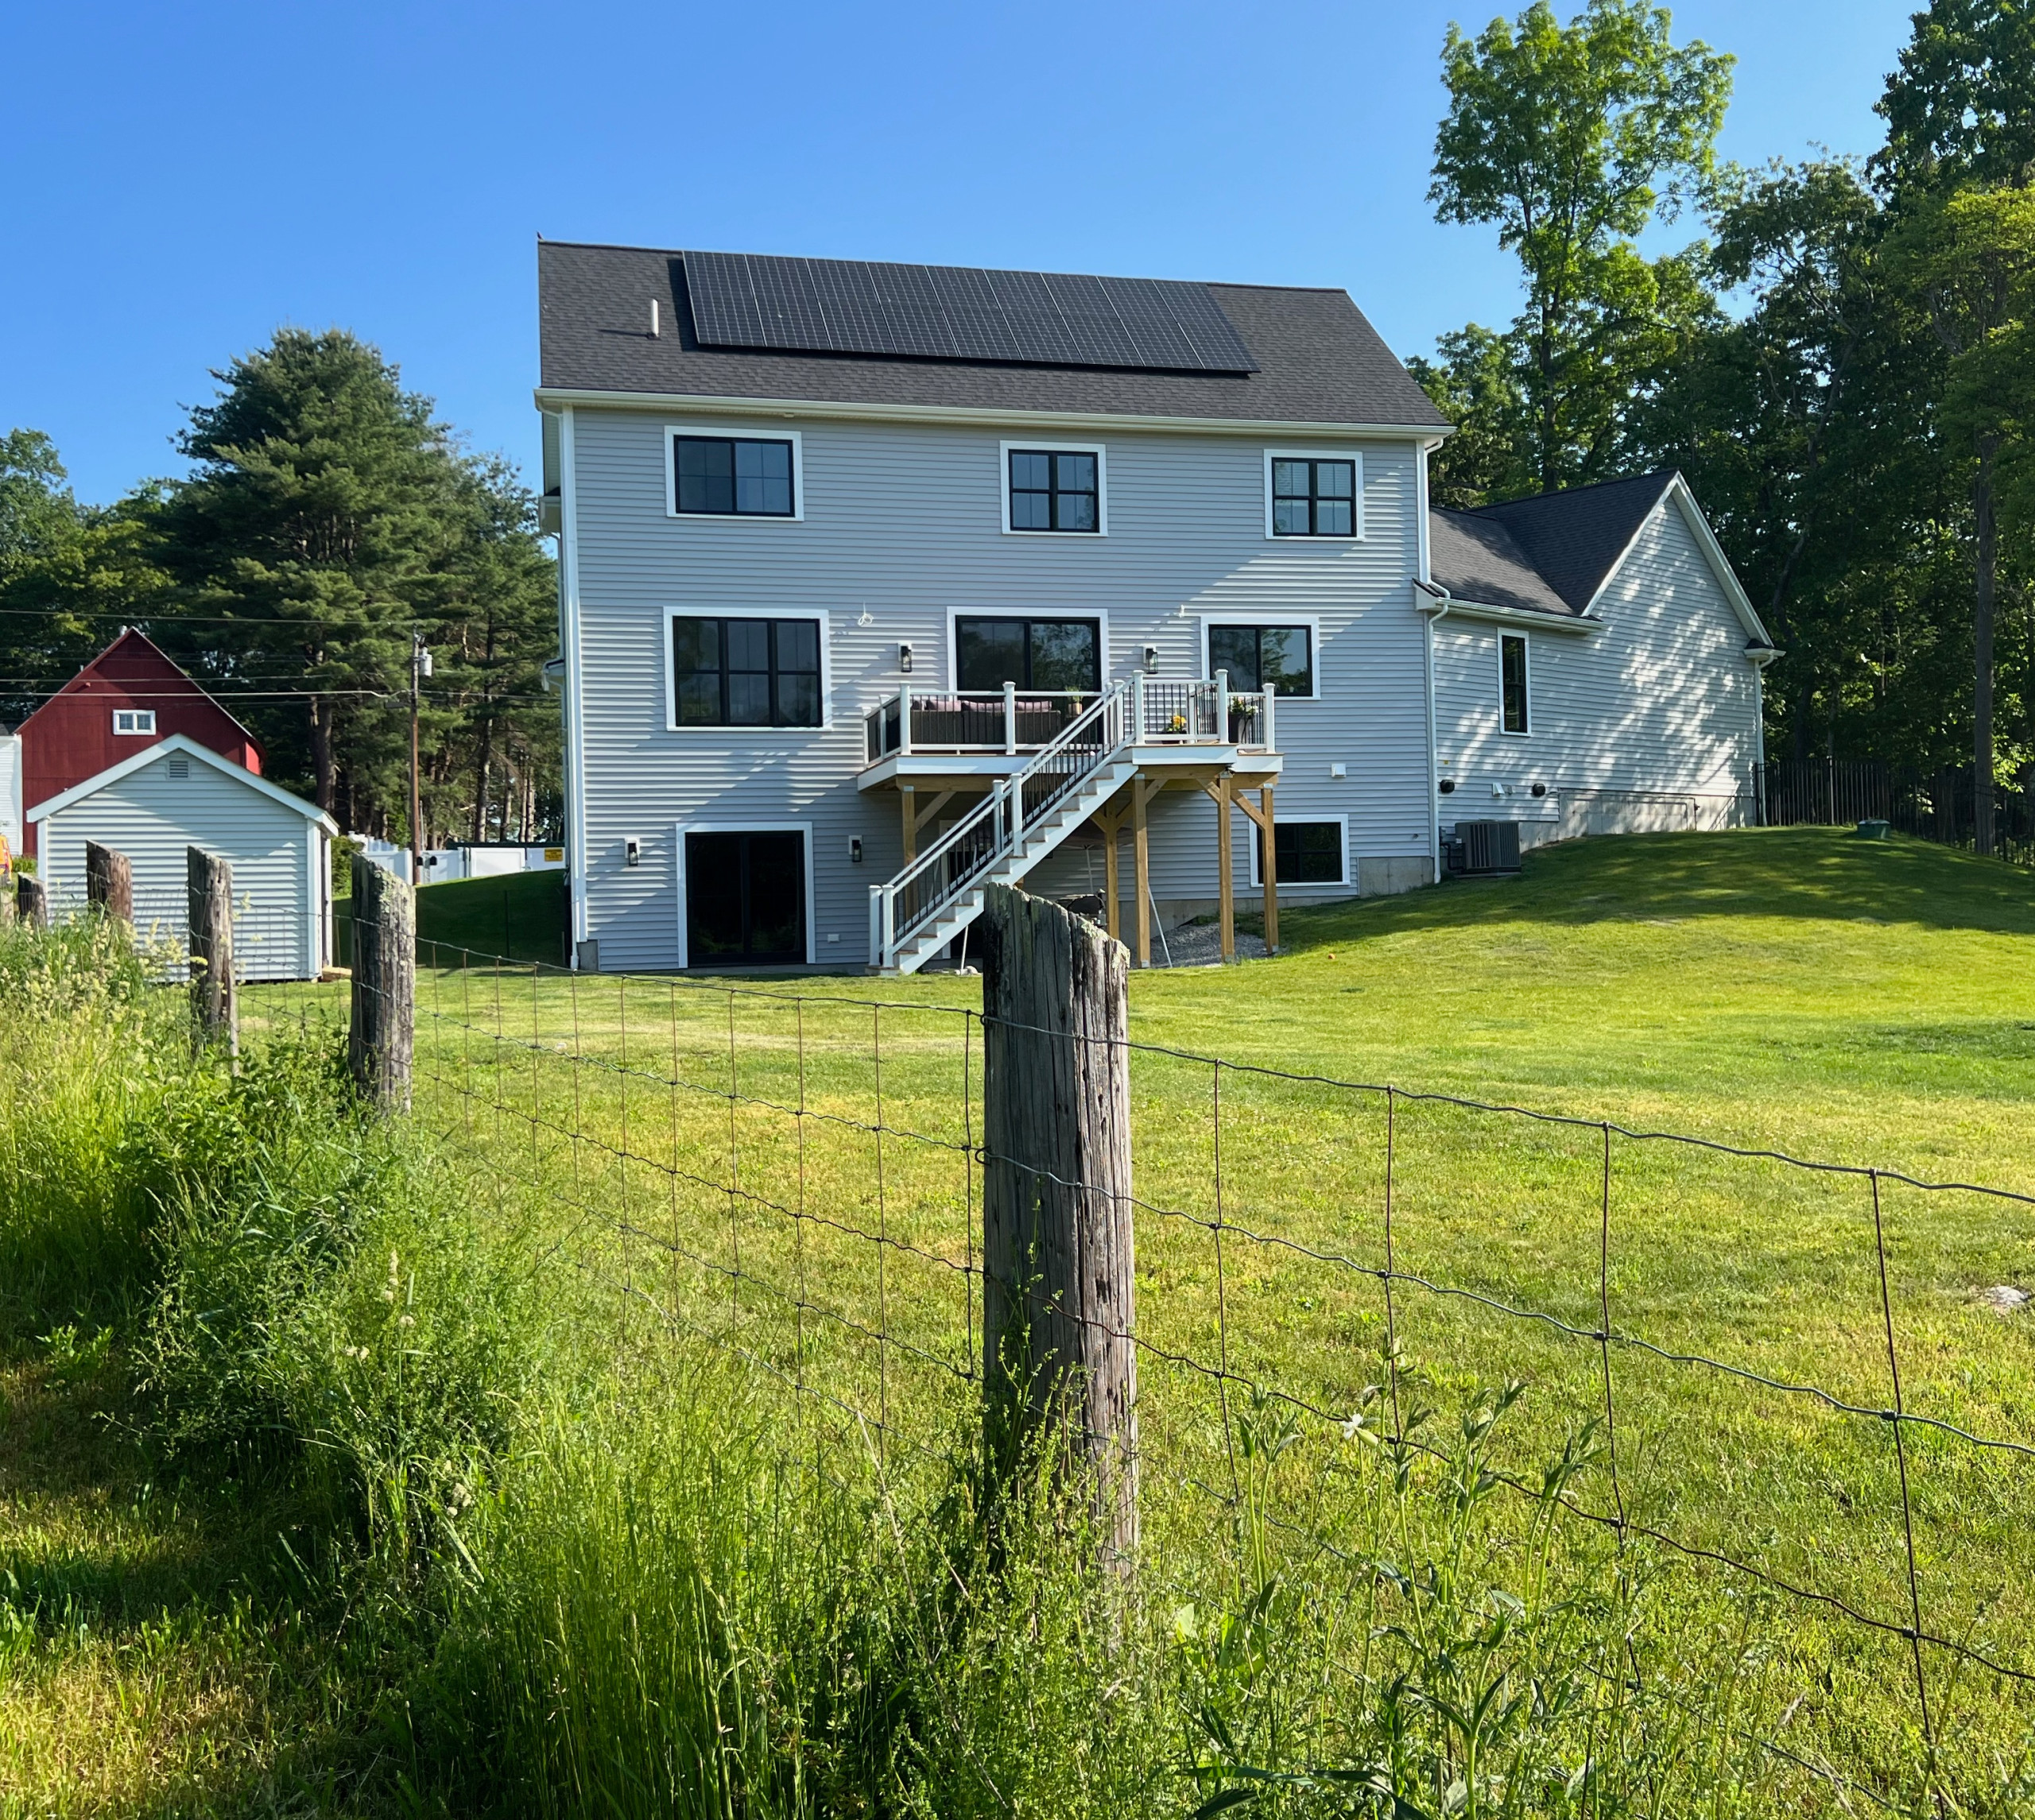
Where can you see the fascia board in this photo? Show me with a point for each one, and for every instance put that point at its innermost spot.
(179, 742)
(550, 397)
(1449, 606)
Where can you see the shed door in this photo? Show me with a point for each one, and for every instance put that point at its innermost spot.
(744, 900)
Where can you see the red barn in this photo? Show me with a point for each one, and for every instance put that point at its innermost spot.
(124, 699)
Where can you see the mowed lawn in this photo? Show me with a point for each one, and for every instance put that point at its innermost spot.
(1798, 991)
(1803, 991)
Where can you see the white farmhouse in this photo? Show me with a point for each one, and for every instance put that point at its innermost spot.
(880, 583)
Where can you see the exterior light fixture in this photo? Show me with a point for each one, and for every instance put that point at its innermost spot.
(855, 849)
(904, 659)
(1151, 660)
(632, 851)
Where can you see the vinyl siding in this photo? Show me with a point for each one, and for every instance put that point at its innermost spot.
(904, 524)
(1650, 722)
(153, 819)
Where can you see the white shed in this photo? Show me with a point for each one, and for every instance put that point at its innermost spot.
(176, 794)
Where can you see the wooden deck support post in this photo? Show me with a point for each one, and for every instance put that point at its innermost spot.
(109, 881)
(909, 797)
(1140, 852)
(379, 1045)
(1112, 827)
(1059, 1278)
(215, 996)
(31, 901)
(1271, 867)
(1225, 870)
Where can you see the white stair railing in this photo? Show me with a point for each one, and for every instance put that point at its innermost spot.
(957, 863)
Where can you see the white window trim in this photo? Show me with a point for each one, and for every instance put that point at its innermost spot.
(1253, 835)
(777, 732)
(143, 726)
(1102, 455)
(744, 433)
(1269, 618)
(1526, 655)
(678, 872)
(1356, 534)
(956, 614)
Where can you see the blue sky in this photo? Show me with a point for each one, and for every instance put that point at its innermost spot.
(182, 179)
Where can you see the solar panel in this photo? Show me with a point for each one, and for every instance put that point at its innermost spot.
(951, 312)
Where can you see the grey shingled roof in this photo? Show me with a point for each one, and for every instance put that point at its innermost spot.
(1319, 361)
(1478, 559)
(1573, 539)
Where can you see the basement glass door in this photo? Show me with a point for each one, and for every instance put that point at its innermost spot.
(744, 900)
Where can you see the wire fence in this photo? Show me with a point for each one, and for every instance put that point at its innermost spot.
(1768, 1376)
(272, 942)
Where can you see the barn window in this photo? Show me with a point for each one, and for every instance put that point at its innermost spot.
(134, 721)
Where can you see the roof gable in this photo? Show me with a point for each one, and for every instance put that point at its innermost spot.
(1317, 360)
(134, 658)
(1477, 559)
(178, 743)
(1575, 539)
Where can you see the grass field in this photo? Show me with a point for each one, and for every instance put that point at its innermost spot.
(520, 917)
(1795, 991)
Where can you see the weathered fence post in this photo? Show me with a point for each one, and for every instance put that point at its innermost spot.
(109, 881)
(1058, 1315)
(215, 996)
(31, 901)
(379, 1048)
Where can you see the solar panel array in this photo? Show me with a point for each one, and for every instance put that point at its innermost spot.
(949, 312)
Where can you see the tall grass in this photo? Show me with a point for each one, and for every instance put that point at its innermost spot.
(573, 1563)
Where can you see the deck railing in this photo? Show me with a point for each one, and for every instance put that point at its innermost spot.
(1201, 711)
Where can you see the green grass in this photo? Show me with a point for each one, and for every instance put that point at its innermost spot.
(1796, 989)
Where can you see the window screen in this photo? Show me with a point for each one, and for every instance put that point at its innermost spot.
(1512, 680)
(1033, 653)
(1053, 490)
(732, 477)
(1309, 852)
(1256, 657)
(745, 672)
(1314, 498)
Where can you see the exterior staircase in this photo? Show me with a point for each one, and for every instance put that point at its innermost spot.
(1029, 814)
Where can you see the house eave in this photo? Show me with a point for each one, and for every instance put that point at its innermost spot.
(1439, 602)
(554, 398)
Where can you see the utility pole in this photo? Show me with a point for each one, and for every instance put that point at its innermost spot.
(420, 668)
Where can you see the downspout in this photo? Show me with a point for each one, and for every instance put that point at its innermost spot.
(1434, 616)
(568, 630)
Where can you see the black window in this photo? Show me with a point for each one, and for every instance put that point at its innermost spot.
(1314, 498)
(744, 900)
(1310, 852)
(1280, 657)
(1033, 653)
(733, 476)
(1053, 491)
(745, 672)
(1512, 680)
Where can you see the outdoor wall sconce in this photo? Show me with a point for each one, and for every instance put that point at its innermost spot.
(904, 659)
(855, 849)
(1151, 660)
(632, 851)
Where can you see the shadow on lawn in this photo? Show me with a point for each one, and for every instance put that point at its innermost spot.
(1822, 874)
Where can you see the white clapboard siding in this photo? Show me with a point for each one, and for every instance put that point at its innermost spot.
(154, 816)
(904, 523)
(1650, 722)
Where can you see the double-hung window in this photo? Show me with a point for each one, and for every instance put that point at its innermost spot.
(1280, 658)
(1054, 490)
(1049, 654)
(1315, 496)
(745, 672)
(1512, 681)
(133, 721)
(733, 477)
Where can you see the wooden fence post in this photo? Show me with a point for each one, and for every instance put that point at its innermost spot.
(109, 881)
(379, 1045)
(215, 995)
(6, 897)
(31, 901)
(1058, 1313)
